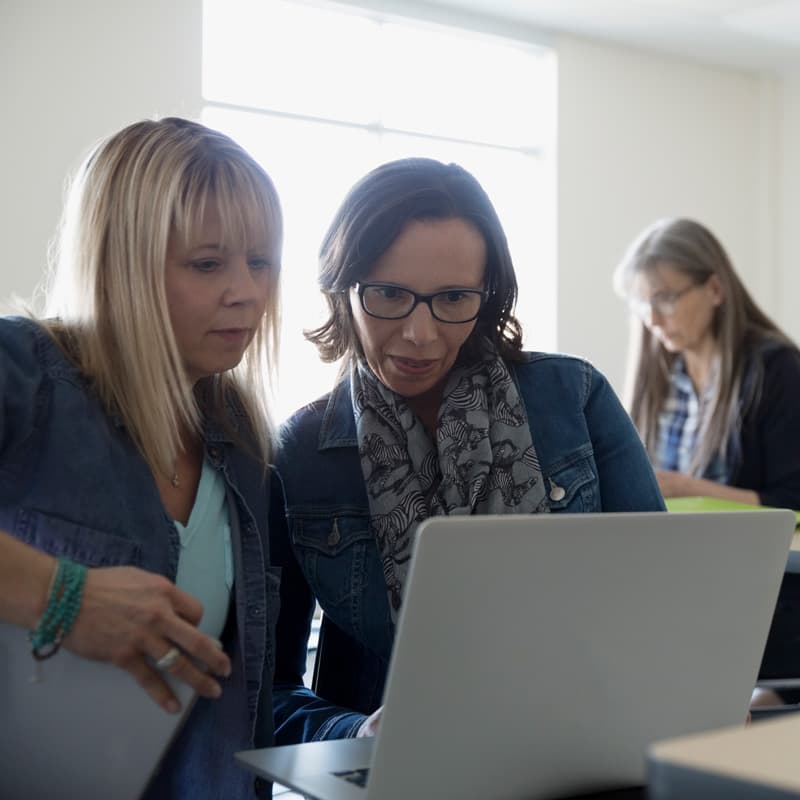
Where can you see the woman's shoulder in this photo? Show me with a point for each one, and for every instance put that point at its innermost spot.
(304, 423)
(776, 356)
(563, 361)
(556, 381)
(19, 336)
(554, 366)
(771, 371)
(770, 350)
(27, 346)
(324, 426)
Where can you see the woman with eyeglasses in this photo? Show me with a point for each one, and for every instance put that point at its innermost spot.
(437, 410)
(715, 383)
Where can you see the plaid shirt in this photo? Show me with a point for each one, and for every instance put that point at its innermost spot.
(679, 425)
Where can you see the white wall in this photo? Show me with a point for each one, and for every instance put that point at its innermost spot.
(788, 243)
(640, 136)
(72, 72)
(644, 136)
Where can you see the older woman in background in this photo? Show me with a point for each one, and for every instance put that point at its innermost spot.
(715, 382)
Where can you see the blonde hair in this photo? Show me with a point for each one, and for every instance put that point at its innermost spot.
(107, 294)
(739, 327)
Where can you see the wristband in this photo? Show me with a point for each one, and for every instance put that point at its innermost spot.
(63, 604)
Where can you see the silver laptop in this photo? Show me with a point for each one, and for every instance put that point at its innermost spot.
(85, 730)
(538, 656)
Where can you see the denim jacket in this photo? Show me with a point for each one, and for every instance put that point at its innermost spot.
(73, 484)
(591, 458)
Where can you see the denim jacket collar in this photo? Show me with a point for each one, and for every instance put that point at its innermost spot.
(338, 423)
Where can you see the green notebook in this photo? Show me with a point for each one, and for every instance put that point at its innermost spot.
(714, 504)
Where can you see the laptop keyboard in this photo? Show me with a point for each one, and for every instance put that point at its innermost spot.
(357, 776)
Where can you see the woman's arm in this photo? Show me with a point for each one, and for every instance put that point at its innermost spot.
(627, 481)
(300, 715)
(127, 616)
(25, 575)
(771, 434)
(678, 484)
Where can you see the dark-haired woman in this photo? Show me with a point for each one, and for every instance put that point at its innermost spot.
(437, 411)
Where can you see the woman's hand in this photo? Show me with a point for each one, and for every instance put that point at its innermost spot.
(678, 484)
(133, 618)
(674, 484)
(765, 698)
(369, 727)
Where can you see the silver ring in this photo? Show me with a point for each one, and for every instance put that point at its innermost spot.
(167, 661)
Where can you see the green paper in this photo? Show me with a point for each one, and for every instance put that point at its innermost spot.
(714, 504)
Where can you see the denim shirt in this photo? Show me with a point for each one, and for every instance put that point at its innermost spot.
(592, 460)
(72, 483)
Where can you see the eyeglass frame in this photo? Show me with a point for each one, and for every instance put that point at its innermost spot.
(640, 308)
(420, 298)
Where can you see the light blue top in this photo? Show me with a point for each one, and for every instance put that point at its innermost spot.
(205, 565)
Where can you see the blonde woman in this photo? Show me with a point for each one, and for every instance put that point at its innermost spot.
(134, 439)
(715, 384)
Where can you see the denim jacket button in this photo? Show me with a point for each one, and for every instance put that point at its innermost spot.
(334, 536)
(556, 492)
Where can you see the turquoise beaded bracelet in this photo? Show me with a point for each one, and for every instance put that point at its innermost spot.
(63, 604)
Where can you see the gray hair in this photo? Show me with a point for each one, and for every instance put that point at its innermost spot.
(739, 327)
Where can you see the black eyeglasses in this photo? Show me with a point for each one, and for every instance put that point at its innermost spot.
(387, 301)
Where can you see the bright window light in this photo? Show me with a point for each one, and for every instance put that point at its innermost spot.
(320, 95)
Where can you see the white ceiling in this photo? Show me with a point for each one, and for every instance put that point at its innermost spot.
(748, 34)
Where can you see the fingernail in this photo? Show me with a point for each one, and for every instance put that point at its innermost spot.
(216, 691)
(226, 673)
(218, 643)
(173, 706)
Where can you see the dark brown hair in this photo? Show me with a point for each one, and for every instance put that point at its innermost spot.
(372, 216)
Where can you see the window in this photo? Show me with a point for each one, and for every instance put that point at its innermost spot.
(321, 94)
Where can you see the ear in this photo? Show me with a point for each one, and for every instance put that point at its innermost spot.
(715, 291)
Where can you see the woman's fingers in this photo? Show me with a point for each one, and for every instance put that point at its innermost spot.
(151, 681)
(182, 667)
(174, 662)
(202, 648)
(133, 618)
(369, 727)
(185, 605)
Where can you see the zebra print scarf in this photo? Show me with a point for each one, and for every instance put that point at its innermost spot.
(483, 460)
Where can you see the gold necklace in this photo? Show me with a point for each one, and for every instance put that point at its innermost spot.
(174, 480)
